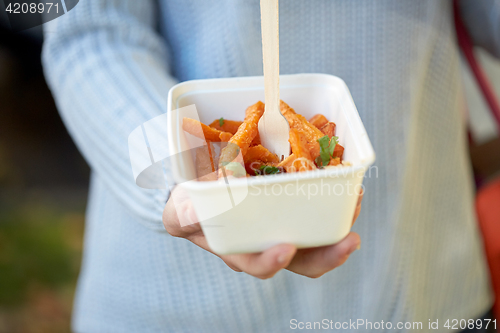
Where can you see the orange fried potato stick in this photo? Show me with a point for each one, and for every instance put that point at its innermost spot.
(338, 151)
(257, 156)
(287, 163)
(334, 161)
(203, 131)
(247, 131)
(318, 120)
(284, 106)
(328, 129)
(205, 168)
(298, 121)
(310, 132)
(232, 126)
(303, 161)
(260, 153)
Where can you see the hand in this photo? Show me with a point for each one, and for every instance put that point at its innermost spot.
(313, 262)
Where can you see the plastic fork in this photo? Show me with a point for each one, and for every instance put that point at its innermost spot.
(273, 126)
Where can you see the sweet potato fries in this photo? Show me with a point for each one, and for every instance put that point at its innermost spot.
(313, 145)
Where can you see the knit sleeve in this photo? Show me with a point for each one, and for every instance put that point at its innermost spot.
(482, 19)
(108, 71)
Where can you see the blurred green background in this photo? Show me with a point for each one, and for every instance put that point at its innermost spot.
(43, 190)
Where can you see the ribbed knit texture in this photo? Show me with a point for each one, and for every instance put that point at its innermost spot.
(421, 256)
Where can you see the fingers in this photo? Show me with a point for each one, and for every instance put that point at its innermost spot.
(315, 262)
(179, 217)
(262, 265)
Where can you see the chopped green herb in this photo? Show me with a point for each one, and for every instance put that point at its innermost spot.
(268, 170)
(319, 161)
(326, 148)
(333, 143)
(221, 122)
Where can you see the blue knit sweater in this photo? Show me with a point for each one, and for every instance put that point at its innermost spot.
(110, 64)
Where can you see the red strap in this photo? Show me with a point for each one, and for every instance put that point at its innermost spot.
(465, 43)
(488, 211)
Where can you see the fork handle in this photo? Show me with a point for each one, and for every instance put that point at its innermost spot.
(269, 11)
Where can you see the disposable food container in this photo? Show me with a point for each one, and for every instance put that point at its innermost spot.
(308, 209)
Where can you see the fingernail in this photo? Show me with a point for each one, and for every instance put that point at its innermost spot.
(284, 257)
(354, 248)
